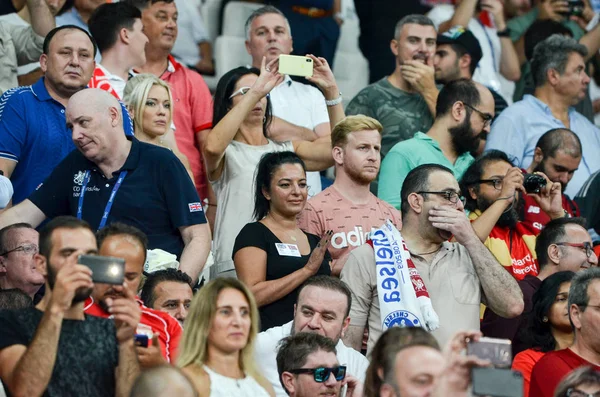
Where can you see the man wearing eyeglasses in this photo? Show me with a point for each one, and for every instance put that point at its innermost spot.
(493, 188)
(457, 275)
(563, 245)
(584, 314)
(322, 308)
(308, 367)
(18, 245)
(464, 112)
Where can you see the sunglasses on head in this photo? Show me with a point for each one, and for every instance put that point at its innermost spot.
(321, 374)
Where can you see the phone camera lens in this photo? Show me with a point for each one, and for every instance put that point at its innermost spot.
(308, 60)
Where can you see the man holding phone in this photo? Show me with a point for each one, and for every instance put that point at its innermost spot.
(54, 349)
(157, 334)
(301, 111)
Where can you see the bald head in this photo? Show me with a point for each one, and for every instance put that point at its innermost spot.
(94, 99)
(96, 120)
(560, 138)
(164, 380)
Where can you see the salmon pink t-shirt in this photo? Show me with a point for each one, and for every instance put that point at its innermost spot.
(351, 223)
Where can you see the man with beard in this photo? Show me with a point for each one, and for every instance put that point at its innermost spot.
(322, 308)
(458, 275)
(557, 154)
(404, 101)
(54, 349)
(348, 207)
(163, 331)
(457, 56)
(491, 186)
(464, 111)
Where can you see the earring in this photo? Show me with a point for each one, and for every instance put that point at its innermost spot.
(264, 119)
(545, 319)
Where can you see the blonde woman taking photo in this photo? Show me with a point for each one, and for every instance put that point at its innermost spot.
(150, 104)
(216, 351)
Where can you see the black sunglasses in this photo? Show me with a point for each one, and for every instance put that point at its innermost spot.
(321, 374)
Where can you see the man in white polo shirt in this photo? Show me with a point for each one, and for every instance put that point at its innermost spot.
(300, 110)
(322, 307)
(117, 29)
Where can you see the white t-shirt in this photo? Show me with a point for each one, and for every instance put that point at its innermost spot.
(265, 354)
(488, 69)
(191, 33)
(235, 196)
(302, 105)
(18, 21)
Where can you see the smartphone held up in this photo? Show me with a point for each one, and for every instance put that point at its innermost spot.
(294, 65)
(105, 269)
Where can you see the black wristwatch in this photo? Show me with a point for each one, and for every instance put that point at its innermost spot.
(503, 33)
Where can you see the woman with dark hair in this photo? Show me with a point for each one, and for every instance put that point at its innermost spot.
(549, 327)
(273, 256)
(233, 148)
(581, 382)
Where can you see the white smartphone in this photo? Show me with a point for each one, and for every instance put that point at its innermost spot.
(295, 65)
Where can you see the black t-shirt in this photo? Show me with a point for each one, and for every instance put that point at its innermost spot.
(157, 195)
(258, 235)
(87, 352)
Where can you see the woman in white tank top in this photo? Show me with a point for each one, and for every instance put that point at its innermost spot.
(216, 350)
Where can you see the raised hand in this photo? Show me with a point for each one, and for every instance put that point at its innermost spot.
(553, 9)
(355, 387)
(71, 278)
(150, 356)
(496, 9)
(316, 257)
(453, 220)
(511, 184)
(456, 377)
(269, 77)
(550, 198)
(420, 76)
(126, 313)
(323, 77)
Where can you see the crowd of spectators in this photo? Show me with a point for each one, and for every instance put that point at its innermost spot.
(268, 238)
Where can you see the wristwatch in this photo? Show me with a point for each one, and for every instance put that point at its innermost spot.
(503, 33)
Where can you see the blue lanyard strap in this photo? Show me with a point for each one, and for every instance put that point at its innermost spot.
(489, 40)
(111, 199)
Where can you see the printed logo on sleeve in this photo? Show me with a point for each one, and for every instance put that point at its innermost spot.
(195, 207)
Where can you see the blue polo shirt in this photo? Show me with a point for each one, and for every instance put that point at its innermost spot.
(157, 195)
(34, 133)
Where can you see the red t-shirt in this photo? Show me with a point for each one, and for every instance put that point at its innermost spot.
(193, 112)
(536, 219)
(550, 370)
(153, 321)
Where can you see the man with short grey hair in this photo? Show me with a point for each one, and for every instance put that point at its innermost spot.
(558, 69)
(584, 308)
(404, 102)
(301, 112)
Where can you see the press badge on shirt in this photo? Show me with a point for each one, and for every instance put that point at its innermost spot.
(287, 249)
